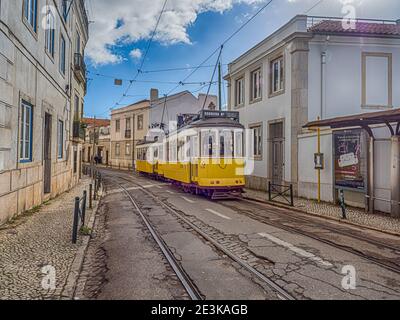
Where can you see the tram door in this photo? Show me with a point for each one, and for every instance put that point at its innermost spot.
(194, 157)
(277, 152)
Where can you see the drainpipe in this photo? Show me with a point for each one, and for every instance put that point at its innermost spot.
(323, 87)
(323, 78)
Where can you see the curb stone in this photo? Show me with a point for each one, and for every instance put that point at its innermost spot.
(68, 293)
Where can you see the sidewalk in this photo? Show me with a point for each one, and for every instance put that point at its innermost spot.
(39, 238)
(354, 215)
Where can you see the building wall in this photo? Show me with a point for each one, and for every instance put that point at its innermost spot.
(343, 75)
(28, 73)
(124, 160)
(181, 103)
(342, 95)
(288, 107)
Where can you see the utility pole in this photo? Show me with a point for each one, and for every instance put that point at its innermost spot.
(220, 85)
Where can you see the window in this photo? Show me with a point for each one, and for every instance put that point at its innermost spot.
(258, 141)
(117, 125)
(256, 85)
(76, 111)
(30, 13)
(117, 149)
(26, 120)
(239, 144)
(239, 92)
(128, 123)
(140, 122)
(49, 32)
(128, 149)
(62, 55)
(64, 9)
(78, 43)
(60, 139)
(277, 76)
(377, 80)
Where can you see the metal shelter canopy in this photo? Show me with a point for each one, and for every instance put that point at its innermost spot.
(363, 120)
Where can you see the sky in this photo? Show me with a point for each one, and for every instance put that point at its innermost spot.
(188, 32)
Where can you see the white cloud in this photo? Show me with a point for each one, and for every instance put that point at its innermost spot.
(136, 54)
(139, 18)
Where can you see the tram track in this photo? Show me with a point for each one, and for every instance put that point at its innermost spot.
(189, 286)
(394, 267)
(388, 265)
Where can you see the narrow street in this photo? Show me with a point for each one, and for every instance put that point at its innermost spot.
(228, 249)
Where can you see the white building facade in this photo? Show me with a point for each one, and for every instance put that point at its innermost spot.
(313, 68)
(166, 110)
(42, 87)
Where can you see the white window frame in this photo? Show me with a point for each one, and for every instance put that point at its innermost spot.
(26, 130)
(128, 149)
(256, 94)
(239, 92)
(30, 13)
(50, 32)
(60, 139)
(280, 81)
(257, 141)
(63, 51)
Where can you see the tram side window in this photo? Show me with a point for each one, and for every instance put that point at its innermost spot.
(239, 144)
(209, 145)
(226, 144)
(194, 146)
(173, 151)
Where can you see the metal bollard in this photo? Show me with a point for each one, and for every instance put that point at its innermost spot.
(342, 203)
(76, 221)
(291, 196)
(269, 191)
(84, 207)
(90, 196)
(95, 190)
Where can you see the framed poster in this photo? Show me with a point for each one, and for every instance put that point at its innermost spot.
(350, 156)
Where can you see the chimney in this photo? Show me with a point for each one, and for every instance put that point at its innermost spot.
(153, 95)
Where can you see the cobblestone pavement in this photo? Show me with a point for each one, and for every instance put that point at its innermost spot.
(39, 238)
(358, 216)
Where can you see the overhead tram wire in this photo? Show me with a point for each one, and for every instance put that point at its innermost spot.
(213, 75)
(224, 42)
(145, 55)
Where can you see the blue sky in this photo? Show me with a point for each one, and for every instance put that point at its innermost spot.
(185, 44)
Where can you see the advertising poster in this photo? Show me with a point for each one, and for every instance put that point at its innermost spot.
(350, 159)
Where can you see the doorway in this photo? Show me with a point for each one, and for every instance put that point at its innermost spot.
(47, 153)
(277, 140)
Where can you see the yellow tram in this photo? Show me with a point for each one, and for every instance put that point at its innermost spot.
(204, 156)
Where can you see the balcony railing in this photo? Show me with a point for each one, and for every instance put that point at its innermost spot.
(128, 134)
(80, 67)
(78, 130)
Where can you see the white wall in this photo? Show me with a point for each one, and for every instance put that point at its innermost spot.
(343, 78)
(182, 103)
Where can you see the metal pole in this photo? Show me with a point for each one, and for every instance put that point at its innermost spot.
(220, 86)
(76, 221)
(269, 191)
(291, 196)
(319, 170)
(84, 207)
(90, 196)
(395, 174)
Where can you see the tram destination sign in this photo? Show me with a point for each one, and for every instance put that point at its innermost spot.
(350, 156)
